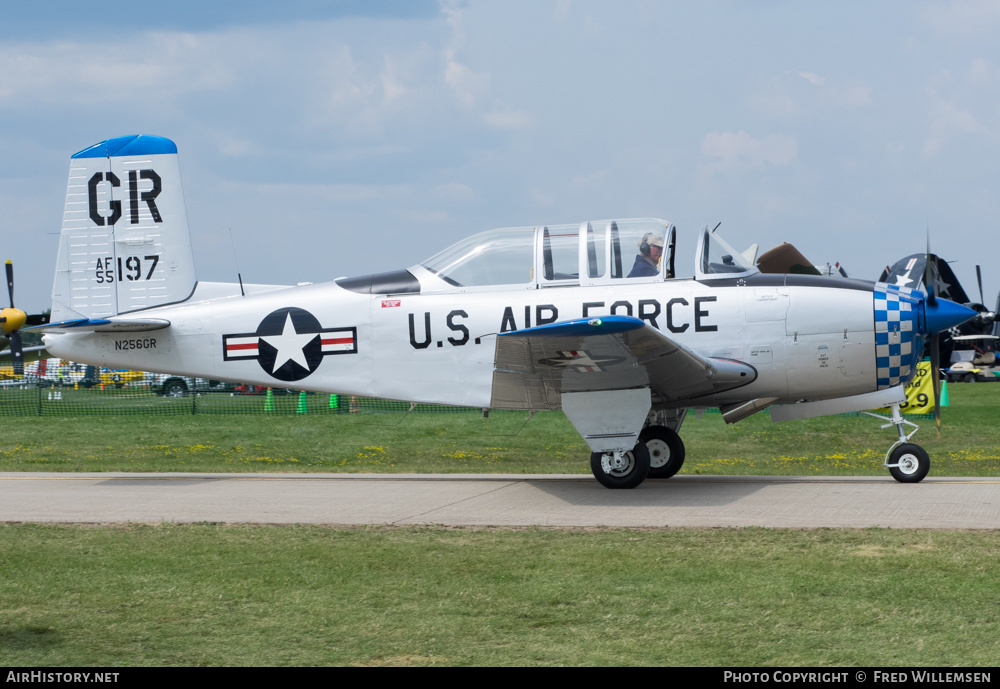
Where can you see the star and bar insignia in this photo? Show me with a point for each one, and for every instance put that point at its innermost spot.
(289, 344)
(581, 361)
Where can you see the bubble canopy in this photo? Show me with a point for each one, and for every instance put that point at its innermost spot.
(495, 257)
(594, 252)
(717, 259)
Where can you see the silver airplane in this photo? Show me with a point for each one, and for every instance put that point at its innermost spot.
(586, 317)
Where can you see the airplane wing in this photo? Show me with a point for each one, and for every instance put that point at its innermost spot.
(534, 366)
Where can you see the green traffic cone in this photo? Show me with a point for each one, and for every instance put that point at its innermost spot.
(334, 402)
(269, 400)
(944, 392)
(303, 407)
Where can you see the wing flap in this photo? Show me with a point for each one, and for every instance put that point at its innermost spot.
(535, 366)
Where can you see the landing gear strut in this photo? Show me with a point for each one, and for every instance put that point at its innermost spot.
(907, 462)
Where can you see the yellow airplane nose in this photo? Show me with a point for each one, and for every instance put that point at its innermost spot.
(12, 319)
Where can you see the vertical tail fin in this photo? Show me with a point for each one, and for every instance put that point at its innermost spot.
(125, 244)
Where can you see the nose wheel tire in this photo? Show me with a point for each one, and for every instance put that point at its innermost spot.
(626, 470)
(909, 463)
(666, 451)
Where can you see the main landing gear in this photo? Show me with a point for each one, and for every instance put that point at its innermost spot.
(907, 462)
(666, 451)
(659, 453)
(621, 469)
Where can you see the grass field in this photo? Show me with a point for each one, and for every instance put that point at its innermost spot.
(268, 595)
(465, 442)
(213, 594)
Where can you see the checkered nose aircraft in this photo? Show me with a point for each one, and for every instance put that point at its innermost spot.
(589, 318)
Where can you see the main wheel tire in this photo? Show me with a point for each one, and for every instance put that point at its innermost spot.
(666, 451)
(913, 463)
(174, 388)
(633, 471)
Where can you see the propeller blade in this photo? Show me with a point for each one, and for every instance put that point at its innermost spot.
(16, 353)
(936, 378)
(928, 274)
(979, 278)
(672, 246)
(10, 282)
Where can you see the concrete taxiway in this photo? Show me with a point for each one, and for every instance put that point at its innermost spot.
(500, 500)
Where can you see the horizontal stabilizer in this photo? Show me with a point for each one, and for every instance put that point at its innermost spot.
(30, 353)
(104, 325)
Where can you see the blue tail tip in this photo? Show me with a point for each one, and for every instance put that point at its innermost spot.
(136, 144)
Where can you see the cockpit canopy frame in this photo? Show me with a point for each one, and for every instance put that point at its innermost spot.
(716, 259)
(602, 252)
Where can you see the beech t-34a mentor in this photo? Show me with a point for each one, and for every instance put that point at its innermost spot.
(588, 318)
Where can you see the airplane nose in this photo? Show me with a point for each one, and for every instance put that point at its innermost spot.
(943, 314)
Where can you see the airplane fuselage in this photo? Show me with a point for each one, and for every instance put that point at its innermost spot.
(439, 347)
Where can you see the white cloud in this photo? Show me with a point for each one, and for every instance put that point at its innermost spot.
(541, 198)
(959, 105)
(947, 120)
(846, 95)
(425, 216)
(472, 88)
(338, 193)
(467, 85)
(591, 27)
(393, 86)
(161, 65)
(982, 73)
(774, 101)
(562, 9)
(593, 179)
(741, 148)
(962, 18)
(231, 146)
(507, 119)
(455, 192)
(813, 79)
(787, 96)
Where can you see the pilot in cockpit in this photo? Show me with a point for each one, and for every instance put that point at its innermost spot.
(647, 262)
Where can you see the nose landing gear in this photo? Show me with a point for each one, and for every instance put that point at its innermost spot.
(907, 462)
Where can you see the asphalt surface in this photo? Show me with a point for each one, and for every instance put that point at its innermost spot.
(500, 500)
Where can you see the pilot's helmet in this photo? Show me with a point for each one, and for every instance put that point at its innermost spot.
(650, 239)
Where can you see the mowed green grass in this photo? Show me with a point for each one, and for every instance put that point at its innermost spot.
(132, 595)
(211, 594)
(466, 443)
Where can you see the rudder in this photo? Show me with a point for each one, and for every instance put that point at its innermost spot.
(125, 244)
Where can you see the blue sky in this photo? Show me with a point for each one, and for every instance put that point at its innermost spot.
(341, 138)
